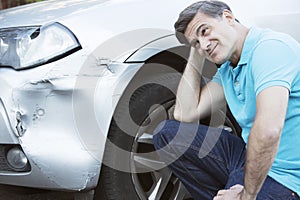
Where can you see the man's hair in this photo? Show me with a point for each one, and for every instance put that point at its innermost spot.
(211, 8)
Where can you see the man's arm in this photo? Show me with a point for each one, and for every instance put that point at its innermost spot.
(264, 138)
(191, 105)
(263, 142)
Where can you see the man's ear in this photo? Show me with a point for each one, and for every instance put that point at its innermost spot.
(227, 15)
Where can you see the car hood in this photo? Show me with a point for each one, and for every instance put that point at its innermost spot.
(44, 12)
(114, 24)
(94, 12)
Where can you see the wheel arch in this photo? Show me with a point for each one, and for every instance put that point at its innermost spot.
(168, 57)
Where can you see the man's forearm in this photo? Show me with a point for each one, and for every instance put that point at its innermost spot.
(188, 92)
(264, 138)
(261, 152)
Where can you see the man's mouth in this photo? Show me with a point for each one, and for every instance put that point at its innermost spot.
(212, 50)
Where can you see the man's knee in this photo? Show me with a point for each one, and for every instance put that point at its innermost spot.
(164, 133)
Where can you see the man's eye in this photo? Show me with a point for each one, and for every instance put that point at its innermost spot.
(204, 31)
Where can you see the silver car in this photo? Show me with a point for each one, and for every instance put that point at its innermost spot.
(83, 84)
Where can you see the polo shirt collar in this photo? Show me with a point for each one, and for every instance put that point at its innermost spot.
(250, 42)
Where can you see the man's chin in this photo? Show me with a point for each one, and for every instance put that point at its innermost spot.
(218, 62)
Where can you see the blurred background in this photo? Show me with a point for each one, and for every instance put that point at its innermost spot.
(12, 3)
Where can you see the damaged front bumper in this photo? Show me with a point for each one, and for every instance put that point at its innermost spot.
(38, 120)
(52, 126)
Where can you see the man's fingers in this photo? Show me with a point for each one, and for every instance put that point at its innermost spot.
(230, 194)
(221, 192)
(237, 187)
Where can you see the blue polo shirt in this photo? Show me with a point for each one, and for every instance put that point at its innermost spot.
(268, 59)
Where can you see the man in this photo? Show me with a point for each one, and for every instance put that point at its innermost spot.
(259, 78)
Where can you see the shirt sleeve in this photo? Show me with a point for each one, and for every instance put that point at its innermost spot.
(273, 64)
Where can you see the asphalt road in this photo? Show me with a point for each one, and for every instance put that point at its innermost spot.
(19, 193)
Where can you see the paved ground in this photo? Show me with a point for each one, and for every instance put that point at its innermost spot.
(18, 193)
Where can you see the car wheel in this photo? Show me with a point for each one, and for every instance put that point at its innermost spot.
(131, 168)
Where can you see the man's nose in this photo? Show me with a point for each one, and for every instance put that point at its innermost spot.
(205, 44)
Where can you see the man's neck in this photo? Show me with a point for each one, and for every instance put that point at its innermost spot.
(243, 32)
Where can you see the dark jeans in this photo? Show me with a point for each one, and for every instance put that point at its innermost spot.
(208, 159)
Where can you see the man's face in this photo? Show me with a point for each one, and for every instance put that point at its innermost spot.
(214, 38)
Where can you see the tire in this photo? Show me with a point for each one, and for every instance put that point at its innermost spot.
(142, 175)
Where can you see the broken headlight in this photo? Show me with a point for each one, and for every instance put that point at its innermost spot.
(31, 46)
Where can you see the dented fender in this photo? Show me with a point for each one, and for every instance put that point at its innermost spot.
(61, 121)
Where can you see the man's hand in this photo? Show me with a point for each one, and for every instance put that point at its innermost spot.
(234, 193)
(196, 60)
